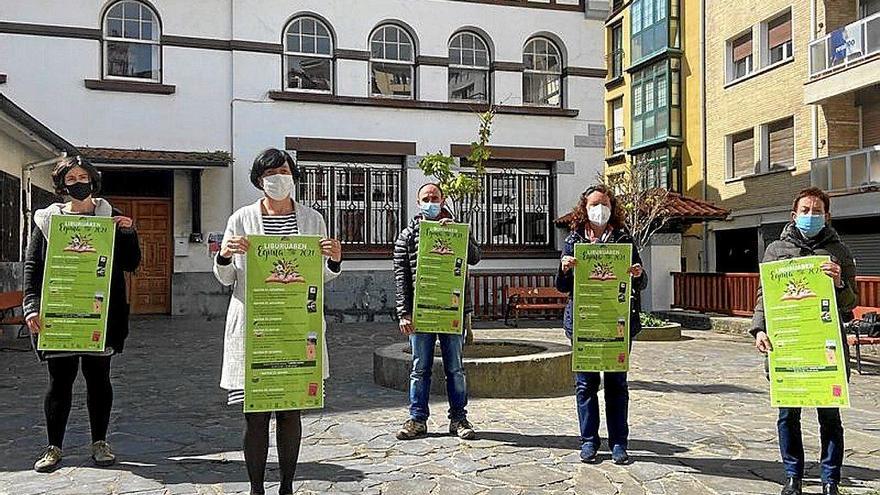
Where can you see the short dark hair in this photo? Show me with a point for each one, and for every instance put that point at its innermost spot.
(273, 158)
(812, 192)
(66, 165)
(431, 184)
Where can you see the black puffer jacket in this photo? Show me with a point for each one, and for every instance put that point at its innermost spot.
(793, 244)
(126, 258)
(406, 250)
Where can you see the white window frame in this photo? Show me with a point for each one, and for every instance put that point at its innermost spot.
(106, 39)
(330, 57)
(728, 56)
(485, 69)
(557, 74)
(788, 48)
(402, 63)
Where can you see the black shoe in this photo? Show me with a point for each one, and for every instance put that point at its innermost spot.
(794, 486)
(830, 489)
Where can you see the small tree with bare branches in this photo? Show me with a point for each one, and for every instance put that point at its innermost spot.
(645, 207)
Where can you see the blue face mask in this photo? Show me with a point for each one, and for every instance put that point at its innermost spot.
(430, 210)
(810, 225)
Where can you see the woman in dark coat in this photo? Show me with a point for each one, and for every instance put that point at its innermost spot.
(80, 181)
(597, 219)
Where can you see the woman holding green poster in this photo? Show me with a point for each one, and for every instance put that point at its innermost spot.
(809, 234)
(276, 174)
(597, 219)
(79, 181)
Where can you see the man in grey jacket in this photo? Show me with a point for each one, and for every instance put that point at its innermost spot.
(431, 205)
(809, 234)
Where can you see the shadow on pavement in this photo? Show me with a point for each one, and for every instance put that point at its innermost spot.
(574, 442)
(752, 469)
(206, 471)
(692, 388)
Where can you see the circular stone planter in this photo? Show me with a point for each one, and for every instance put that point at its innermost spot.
(495, 368)
(666, 333)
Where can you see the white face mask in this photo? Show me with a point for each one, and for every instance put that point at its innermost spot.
(278, 186)
(599, 214)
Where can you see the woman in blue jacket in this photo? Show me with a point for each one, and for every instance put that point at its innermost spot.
(597, 218)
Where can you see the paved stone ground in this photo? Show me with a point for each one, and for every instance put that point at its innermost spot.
(699, 417)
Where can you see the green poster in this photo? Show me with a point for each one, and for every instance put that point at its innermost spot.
(601, 308)
(284, 338)
(807, 367)
(441, 272)
(76, 283)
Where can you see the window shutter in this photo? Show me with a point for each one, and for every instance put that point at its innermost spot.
(781, 139)
(779, 31)
(742, 47)
(743, 153)
(870, 101)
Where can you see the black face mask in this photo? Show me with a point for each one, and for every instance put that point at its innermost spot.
(80, 190)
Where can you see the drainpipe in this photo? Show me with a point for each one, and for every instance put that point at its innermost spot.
(814, 108)
(704, 262)
(26, 211)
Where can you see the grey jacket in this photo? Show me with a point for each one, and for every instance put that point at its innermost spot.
(406, 249)
(792, 244)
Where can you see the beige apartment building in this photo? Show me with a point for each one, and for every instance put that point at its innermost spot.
(792, 99)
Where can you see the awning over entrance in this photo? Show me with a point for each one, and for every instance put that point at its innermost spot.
(681, 209)
(160, 159)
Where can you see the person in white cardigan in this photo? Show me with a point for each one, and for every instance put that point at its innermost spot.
(276, 213)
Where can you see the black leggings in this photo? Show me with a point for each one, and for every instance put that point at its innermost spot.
(62, 374)
(288, 436)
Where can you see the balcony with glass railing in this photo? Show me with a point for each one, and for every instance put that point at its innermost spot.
(846, 46)
(854, 171)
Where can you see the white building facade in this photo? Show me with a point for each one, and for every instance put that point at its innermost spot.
(173, 99)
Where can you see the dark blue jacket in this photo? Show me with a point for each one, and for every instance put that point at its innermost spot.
(565, 281)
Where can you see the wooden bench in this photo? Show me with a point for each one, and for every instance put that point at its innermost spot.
(865, 318)
(11, 312)
(517, 299)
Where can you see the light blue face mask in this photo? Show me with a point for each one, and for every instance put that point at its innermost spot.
(810, 225)
(430, 210)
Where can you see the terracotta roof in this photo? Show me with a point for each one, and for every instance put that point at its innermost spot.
(156, 157)
(680, 207)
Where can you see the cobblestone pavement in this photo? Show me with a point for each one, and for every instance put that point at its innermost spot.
(700, 424)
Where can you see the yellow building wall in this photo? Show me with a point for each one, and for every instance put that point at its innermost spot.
(691, 116)
(622, 90)
(769, 95)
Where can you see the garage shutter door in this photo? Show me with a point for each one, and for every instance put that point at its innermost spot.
(866, 249)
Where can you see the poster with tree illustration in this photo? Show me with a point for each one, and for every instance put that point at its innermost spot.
(602, 301)
(76, 283)
(807, 364)
(441, 271)
(284, 314)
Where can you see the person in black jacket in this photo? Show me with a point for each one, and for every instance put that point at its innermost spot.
(597, 219)
(406, 248)
(80, 181)
(809, 234)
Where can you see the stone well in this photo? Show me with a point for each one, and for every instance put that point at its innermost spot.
(495, 368)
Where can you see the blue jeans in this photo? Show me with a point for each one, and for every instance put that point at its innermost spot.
(791, 444)
(420, 378)
(616, 407)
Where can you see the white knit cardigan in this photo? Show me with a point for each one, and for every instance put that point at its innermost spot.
(248, 221)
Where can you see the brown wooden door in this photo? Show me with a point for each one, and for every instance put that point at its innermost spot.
(150, 286)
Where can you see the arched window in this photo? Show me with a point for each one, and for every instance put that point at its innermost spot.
(542, 75)
(392, 67)
(468, 68)
(131, 42)
(308, 56)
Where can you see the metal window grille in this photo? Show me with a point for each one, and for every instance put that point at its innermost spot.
(361, 203)
(512, 209)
